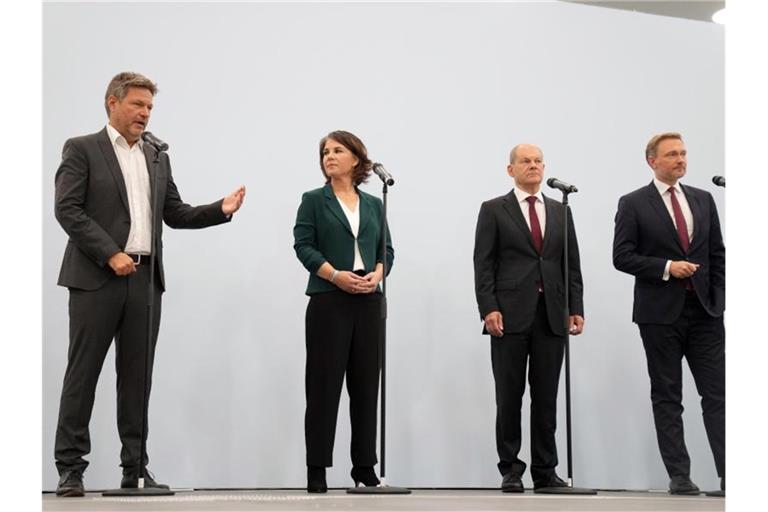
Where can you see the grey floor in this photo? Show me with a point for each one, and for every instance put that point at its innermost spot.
(427, 500)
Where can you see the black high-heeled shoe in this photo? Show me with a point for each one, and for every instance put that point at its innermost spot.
(364, 475)
(316, 479)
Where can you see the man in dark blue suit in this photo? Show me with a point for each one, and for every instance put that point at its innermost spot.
(668, 236)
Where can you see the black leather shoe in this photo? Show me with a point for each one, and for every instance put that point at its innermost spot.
(552, 481)
(316, 479)
(512, 483)
(364, 475)
(683, 485)
(71, 485)
(720, 493)
(131, 481)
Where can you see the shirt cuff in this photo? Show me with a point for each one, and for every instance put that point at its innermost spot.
(665, 277)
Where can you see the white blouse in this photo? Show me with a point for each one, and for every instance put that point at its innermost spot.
(354, 222)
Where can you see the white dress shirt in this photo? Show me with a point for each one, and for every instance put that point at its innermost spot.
(522, 197)
(663, 189)
(133, 165)
(353, 216)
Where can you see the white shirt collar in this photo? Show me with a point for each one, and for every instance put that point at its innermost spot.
(522, 195)
(116, 137)
(663, 187)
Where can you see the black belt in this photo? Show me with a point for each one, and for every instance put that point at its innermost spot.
(140, 259)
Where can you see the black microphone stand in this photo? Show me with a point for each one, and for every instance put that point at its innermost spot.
(566, 318)
(383, 488)
(140, 490)
(720, 493)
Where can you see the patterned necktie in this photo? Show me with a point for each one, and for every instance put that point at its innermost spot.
(682, 227)
(535, 226)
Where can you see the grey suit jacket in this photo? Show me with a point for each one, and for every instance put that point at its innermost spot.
(92, 207)
(508, 268)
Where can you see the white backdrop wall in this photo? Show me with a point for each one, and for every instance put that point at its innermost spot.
(439, 93)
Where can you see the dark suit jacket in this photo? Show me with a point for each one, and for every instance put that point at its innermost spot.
(645, 238)
(322, 233)
(508, 268)
(92, 207)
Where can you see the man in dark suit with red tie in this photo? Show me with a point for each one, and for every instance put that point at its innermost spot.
(668, 236)
(520, 293)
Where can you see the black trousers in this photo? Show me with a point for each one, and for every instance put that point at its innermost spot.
(510, 355)
(117, 310)
(342, 337)
(699, 338)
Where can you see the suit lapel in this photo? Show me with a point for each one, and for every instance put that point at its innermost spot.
(114, 166)
(552, 223)
(150, 157)
(366, 212)
(693, 204)
(333, 204)
(513, 209)
(658, 205)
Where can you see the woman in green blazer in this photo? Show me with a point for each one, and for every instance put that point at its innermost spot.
(337, 237)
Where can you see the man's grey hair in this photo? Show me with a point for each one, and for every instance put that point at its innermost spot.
(120, 84)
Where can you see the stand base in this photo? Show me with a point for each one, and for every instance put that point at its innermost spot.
(715, 494)
(379, 489)
(135, 491)
(565, 490)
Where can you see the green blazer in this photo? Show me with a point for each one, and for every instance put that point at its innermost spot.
(322, 233)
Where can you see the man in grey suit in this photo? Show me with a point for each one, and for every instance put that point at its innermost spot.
(520, 292)
(105, 185)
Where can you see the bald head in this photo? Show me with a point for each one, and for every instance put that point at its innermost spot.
(526, 167)
(527, 147)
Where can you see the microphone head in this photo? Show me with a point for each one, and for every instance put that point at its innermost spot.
(382, 173)
(149, 138)
(718, 180)
(561, 185)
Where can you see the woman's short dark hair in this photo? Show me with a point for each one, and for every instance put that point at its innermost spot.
(350, 141)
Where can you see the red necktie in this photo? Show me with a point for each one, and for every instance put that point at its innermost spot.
(682, 227)
(535, 226)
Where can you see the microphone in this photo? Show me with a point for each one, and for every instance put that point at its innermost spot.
(719, 181)
(382, 173)
(154, 142)
(561, 185)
